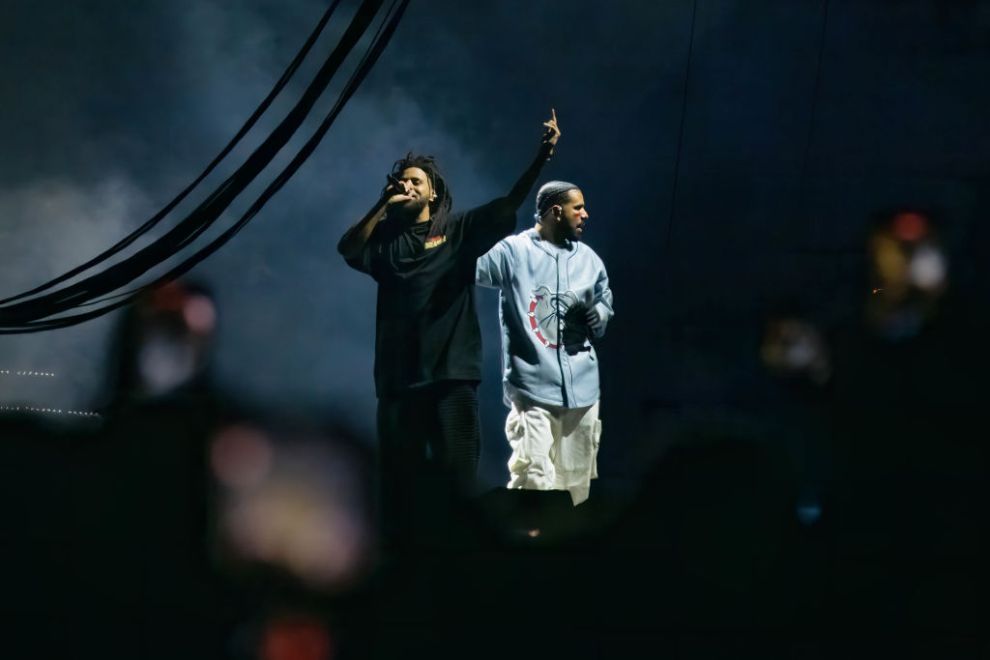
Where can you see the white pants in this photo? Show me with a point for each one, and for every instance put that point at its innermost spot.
(553, 448)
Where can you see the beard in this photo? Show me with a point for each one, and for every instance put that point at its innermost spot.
(408, 209)
(572, 233)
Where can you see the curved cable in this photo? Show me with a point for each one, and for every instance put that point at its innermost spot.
(155, 219)
(24, 314)
(381, 39)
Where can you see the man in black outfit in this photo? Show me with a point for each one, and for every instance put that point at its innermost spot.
(428, 340)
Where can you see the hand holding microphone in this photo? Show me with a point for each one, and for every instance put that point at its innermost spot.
(396, 191)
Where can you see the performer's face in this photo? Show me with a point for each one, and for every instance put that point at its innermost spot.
(420, 189)
(573, 215)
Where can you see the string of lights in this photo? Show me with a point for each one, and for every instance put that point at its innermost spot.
(51, 411)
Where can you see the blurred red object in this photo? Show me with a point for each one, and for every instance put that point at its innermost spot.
(295, 638)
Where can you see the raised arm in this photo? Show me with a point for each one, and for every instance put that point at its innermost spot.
(525, 183)
(486, 225)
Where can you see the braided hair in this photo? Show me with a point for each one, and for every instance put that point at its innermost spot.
(549, 194)
(439, 207)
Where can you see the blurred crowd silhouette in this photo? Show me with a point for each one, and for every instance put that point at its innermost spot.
(848, 515)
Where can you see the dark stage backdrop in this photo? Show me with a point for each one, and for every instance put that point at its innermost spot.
(731, 152)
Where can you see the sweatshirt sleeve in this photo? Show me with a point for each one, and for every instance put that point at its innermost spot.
(603, 304)
(492, 269)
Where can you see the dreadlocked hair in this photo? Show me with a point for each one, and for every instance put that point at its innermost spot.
(440, 207)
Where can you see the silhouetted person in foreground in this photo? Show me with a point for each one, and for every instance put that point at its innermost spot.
(146, 496)
(795, 355)
(910, 456)
(427, 340)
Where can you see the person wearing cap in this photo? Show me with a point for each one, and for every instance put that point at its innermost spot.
(554, 304)
(427, 338)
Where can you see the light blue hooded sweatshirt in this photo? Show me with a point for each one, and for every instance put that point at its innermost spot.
(538, 282)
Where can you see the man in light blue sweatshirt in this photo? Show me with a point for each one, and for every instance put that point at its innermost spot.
(554, 304)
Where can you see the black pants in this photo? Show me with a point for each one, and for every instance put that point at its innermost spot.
(429, 443)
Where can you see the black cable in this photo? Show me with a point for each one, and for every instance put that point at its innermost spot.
(680, 137)
(371, 56)
(155, 219)
(814, 101)
(385, 30)
(25, 316)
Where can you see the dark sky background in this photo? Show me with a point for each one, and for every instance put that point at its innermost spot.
(731, 152)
